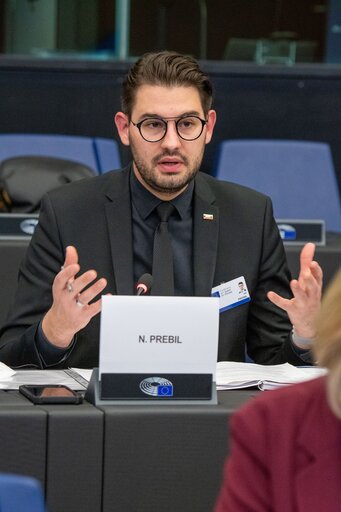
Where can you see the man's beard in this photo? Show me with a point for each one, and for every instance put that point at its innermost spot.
(161, 183)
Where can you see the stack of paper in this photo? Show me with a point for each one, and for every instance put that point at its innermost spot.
(232, 375)
(12, 379)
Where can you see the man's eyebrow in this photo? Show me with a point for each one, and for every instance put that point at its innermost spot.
(146, 115)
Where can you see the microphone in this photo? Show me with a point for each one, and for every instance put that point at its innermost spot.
(144, 284)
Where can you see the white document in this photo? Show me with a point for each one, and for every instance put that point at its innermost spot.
(5, 372)
(235, 375)
(40, 377)
(84, 373)
(159, 335)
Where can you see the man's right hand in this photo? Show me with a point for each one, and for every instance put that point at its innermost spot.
(70, 311)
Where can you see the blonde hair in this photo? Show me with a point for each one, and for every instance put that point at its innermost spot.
(327, 346)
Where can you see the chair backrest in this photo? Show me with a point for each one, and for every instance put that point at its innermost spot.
(25, 179)
(299, 176)
(108, 155)
(99, 154)
(20, 494)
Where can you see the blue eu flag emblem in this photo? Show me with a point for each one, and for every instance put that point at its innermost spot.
(164, 390)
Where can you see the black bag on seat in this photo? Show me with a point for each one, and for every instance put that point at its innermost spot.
(24, 180)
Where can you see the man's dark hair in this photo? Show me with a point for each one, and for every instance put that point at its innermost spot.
(165, 69)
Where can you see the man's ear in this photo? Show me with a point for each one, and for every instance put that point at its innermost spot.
(211, 119)
(122, 125)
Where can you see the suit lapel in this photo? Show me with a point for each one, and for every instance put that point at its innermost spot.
(205, 237)
(119, 222)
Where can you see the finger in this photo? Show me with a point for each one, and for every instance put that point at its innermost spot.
(90, 293)
(317, 272)
(83, 281)
(306, 256)
(307, 285)
(299, 289)
(71, 256)
(94, 308)
(279, 301)
(66, 276)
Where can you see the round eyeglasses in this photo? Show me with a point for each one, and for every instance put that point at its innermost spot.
(154, 129)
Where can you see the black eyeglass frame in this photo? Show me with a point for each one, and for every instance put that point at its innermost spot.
(165, 120)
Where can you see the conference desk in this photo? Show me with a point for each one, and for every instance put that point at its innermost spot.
(124, 458)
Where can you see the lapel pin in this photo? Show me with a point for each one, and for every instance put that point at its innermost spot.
(207, 216)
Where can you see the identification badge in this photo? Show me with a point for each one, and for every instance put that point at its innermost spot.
(231, 294)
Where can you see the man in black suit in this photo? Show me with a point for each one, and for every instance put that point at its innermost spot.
(105, 226)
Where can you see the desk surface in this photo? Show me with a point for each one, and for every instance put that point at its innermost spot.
(126, 458)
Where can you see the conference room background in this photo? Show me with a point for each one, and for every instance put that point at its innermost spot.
(274, 64)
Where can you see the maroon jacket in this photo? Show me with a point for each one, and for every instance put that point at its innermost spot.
(285, 454)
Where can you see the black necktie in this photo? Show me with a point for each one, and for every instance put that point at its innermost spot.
(163, 273)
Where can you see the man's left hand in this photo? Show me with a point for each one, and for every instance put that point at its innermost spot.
(303, 308)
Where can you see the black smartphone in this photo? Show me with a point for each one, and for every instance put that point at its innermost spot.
(51, 394)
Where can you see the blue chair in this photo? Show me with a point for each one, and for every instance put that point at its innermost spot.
(99, 154)
(107, 153)
(299, 176)
(20, 494)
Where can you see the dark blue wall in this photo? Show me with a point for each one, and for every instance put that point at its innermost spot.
(78, 97)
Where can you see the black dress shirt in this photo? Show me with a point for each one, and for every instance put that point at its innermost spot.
(180, 224)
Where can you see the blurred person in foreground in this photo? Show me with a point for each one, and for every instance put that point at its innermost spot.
(286, 444)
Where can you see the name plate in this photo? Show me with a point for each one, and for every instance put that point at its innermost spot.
(301, 231)
(174, 386)
(158, 348)
(17, 226)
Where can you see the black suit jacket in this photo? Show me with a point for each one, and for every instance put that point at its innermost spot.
(95, 216)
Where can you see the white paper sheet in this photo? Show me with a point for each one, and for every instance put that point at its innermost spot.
(5, 372)
(36, 377)
(236, 375)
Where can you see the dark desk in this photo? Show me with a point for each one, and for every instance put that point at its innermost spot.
(119, 458)
(62, 446)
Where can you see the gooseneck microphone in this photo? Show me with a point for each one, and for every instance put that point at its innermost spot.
(144, 284)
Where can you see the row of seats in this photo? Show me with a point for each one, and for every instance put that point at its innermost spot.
(101, 155)
(299, 176)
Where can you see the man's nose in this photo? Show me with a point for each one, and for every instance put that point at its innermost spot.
(171, 139)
